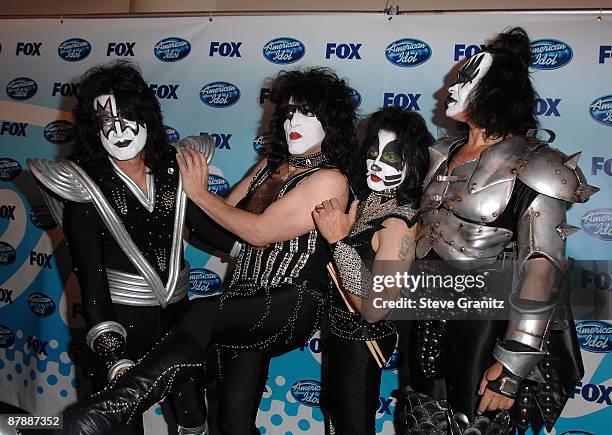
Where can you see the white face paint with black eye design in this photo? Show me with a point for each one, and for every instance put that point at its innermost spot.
(468, 78)
(121, 138)
(385, 166)
(303, 130)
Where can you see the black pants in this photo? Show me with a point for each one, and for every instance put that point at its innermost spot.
(145, 326)
(251, 325)
(353, 384)
(241, 379)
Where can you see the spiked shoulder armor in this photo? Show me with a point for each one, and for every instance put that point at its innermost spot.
(552, 173)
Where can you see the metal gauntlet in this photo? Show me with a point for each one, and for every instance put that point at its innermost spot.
(107, 340)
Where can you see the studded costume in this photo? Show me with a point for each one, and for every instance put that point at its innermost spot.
(512, 198)
(353, 375)
(127, 253)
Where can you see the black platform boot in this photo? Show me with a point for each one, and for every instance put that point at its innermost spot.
(171, 362)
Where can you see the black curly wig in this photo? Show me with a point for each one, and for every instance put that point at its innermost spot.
(503, 101)
(326, 96)
(415, 139)
(137, 102)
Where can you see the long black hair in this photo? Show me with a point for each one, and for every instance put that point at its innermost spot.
(415, 139)
(503, 101)
(329, 98)
(137, 103)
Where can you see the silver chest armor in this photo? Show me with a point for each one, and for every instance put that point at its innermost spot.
(458, 208)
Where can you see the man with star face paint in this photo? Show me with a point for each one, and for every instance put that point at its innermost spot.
(376, 237)
(123, 214)
(498, 194)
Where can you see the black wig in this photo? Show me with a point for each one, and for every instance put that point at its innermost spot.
(503, 101)
(326, 96)
(137, 103)
(415, 139)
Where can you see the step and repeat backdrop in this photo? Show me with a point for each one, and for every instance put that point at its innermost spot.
(213, 76)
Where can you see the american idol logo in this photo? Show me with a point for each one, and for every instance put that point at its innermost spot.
(601, 110)
(217, 185)
(7, 338)
(59, 132)
(408, 52)
(172, 133)
(9, 169)
(598, 223)
(550, 54)
(356, 98)
(393, 361)
(307, 392)
(21, 88)
(204, 282)
(261, 144)
(7, 254)
(172, 49)
(284, 51)
(219, 94)
(42, 217)
(594, 336)
(74, 49)
(41, 304)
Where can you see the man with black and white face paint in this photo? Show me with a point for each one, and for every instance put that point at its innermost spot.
(128, 259)
(121, 138)
(493, 197)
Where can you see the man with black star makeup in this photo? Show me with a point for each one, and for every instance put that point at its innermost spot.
(120, 202)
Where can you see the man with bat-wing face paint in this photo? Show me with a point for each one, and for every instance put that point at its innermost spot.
(498, 196)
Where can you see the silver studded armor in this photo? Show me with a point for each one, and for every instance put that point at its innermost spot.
(471, 218)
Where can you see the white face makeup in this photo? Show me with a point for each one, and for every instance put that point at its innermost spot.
(121, 138)
(303, 131)
(385, 165)
(469, 75)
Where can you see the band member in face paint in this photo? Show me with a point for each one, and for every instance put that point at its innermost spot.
(275, 297)
(381, 229)
(496, 191)
(123, 217)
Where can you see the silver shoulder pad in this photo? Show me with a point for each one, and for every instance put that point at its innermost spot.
(59, 179)
(203, 143)
(552, 173)
(438, 153)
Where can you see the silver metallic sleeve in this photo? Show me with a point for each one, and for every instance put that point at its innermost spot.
(356, 277)
(521, 364)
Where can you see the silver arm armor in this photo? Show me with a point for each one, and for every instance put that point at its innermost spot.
(356, 277)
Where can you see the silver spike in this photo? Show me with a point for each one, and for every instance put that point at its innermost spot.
(565, 230)
(584, 191)
(572, 160)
